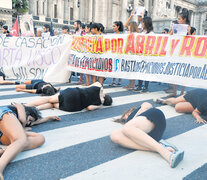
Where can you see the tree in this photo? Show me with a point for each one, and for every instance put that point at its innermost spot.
(20, 5)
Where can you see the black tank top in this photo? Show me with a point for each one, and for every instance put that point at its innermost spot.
(76, 99)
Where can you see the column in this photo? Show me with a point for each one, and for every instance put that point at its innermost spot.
(172, 4)
(40, 7)
(124, 13)
(146, 4)
(154, 9)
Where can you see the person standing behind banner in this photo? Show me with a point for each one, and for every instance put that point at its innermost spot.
(132, 28)
(39, 32)
(79, 32)
(5, 31)
(147, 29)
(65, 29)
(183, 18)
(118, 28)
(47, 31)
(88, 32)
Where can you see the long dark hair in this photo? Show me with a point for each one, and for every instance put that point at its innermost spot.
(120, 24)
(185, 15)
(48, 91)
(148, 24)
(32, 111)
(121, 119)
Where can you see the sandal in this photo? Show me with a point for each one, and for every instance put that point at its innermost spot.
(176, 159)
(167, 144)
(159, 101)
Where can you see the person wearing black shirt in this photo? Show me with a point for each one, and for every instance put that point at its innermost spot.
(194, 101)
(37, 86)
(143, 128)
(75, 99)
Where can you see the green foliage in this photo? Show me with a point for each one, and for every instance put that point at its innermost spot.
(20, 5)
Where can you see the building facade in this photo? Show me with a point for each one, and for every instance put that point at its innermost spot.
(61, 12)
(6, 12)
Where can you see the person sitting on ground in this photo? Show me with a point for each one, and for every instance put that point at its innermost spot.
(194, 101)
(143, 129)
(37, 86)
(13, 119)
(3, 81)
(75, 99)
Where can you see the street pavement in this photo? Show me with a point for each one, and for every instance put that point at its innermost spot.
(79, 147)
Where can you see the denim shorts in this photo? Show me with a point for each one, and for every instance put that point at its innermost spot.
(4, 110)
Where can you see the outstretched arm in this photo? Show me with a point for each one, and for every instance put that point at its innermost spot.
(199, 119)
(27, 90)
(45, 119)
(92, 107)
(128, 20)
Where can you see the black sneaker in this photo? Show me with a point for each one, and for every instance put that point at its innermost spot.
(145, 90)
(138, 89)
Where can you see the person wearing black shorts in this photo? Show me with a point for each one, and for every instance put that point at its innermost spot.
(143, 128)
(194, 101)
(4, 81)
(75, 99)
(37, 86)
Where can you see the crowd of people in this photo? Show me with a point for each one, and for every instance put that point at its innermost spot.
(143, 126)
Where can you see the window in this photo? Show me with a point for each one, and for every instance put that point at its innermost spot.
(71, 14)
(206, 17)
(37, 8)
(43, 8)
(55, 11)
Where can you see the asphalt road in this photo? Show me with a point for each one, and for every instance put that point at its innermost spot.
(79, 147)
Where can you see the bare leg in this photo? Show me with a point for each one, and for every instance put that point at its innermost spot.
(44, 100)
(45, 106)
(22, 86)
(182, 90)
(34, 140)
(11, 128)
(175, 87)
(28, 82)
(7, 82)
(101, 80)
(184, 107)
(134, 135)
(174, 101)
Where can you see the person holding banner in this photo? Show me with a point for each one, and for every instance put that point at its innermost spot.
(118, 28)
(75, 99)
(148, 29)
(132, 28)
(13, 119)
(194, 101)
(37, 86)
(5, 31)
(3, 81)
(143, 129)
(183, 19)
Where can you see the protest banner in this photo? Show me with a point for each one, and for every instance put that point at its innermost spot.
(26, 25)
(163, 58)
(33, 58)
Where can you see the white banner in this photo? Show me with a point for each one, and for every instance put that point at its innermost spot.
(35, 58)
(171, 59)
